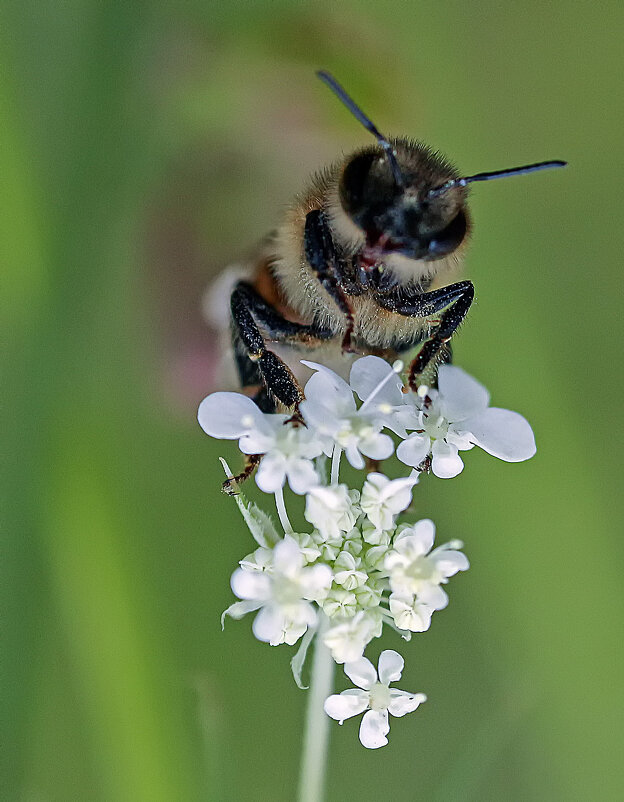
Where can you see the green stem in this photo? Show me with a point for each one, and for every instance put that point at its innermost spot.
(316, 732)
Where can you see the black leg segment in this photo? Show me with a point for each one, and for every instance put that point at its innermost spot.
(230, 486)
(321, 254)
(450, 305)
(256, 364)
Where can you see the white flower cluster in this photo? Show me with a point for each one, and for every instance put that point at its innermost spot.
(355, 568)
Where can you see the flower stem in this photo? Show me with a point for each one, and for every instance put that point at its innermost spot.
(335, 466)
(281, 511)
(316, 733)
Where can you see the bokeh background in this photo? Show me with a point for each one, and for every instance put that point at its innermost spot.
(145, 146)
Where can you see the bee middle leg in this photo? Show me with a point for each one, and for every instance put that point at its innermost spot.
(450, 304)
(258, 365)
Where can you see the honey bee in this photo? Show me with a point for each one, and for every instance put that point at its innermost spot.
(364, 262)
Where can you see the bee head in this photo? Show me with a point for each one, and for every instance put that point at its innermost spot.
(405, 198)
(404, 217)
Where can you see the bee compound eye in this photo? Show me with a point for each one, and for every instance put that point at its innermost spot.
(449, 238)
(354, 181)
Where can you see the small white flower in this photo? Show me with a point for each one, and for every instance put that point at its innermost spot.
(375, 557)
(332, 510)
(413, 571)
(374, 536)
(347, 641)
(288, 449)
(282, 592)
(329, 547)
(330, 409)
(410, 614)
(383, 499)
(374, 696)
(353, 542)
(369, 594)
(340, 603)
(308, 546)
(347, 571)
(457, 417)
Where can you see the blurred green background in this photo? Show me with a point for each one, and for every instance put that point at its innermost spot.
(145, 145)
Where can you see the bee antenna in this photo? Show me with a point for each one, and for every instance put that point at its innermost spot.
(357, 112)
(470, 179)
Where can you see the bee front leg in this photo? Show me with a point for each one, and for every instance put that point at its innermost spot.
(450, 304)
(255, 362)
(321, 255)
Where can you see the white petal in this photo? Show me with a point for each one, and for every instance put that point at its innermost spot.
(221, 415)
(393, 420)
(404, 702)
(269, 625)
(446, 461)
(449, 562)
(397, 494)
(413, 450)
(502, 433)
(407, 417)
(354, 457)
(343, 705)
(287, 557)
(329, 389)
(301, 475)
(361, 673)
(421, 536)
(461, 396)
(345, 562)
(239, 609)
(264, 435)
(366, 376)
(390, 666)
(433, 596)
(316, 581)
(256, 442)
(250, 584)
(271, 472)
(292, 633)
(457, 436)
(374, 728)
(377, 446)
(318, 418)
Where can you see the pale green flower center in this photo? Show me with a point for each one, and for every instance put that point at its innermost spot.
(422, 570)
(288, 442)
(379, 697)
(354, 427)
(286, 591)
(436, 426)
